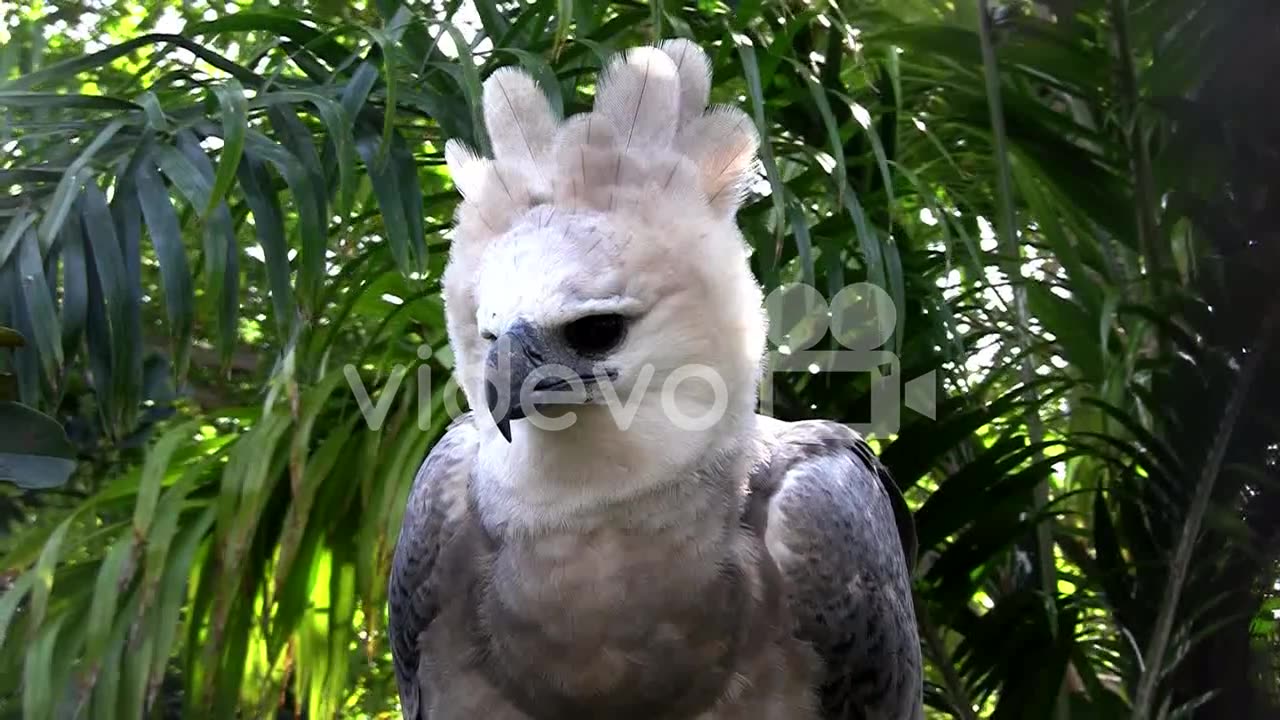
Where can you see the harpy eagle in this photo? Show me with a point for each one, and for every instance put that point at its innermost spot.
(620, 536)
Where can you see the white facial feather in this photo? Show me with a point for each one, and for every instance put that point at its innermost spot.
(695, 76)
(640, 94)
(722, 143)
(630, 209)
(467, 168)
(518, 117)
(585, 130)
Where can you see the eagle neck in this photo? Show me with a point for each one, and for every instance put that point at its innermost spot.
(552, 485)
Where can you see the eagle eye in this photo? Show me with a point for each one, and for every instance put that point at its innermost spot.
(595, 334)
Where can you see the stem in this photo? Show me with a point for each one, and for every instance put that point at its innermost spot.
(1155, 655)
(1012, 252)
(960, 700)
(1149, 240)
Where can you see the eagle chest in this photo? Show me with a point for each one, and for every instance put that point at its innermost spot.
(612, 626)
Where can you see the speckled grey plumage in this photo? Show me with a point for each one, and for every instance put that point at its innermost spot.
(849, 549)
(783, 594)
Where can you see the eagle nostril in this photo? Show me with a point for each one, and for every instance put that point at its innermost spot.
(551, 383)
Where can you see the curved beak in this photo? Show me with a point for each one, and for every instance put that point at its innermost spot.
(525, 371)
(511, 359)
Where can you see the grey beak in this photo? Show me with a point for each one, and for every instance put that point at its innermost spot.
(503, 421)
(521, 352)
(511, 359)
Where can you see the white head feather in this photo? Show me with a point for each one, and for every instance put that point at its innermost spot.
(629, 209)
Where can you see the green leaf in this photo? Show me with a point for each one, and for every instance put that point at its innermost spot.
(173, 591)
(395, 185)
(245, 485)
(11, 599)
(472, 89)
(564, 20)
(184, 175)
(34, 451)
(70, 68)
(972, 491)
(113, 574)
(126, 324)
(877, 148)
(160, 533)
(43, 571)
(292, 572)
(37, 674)
(918, 449)
(868, 239)
(25, 362)
(1155, 452)
(75, 287)
(10, 338)
(133, 697)
(389, 62)
(832, 127)
(39, 303)
(342, 599)
(356, 91)
(312, 224)
(112, 336)
(268, 225)
(1071, 325)
(106, 691)
(221, 254)
(48, 100)
(154, 469)
(600, 50)
(175, 275)
(235, 123)
(70, 184)
(1115, 575)
(491, 18)
(804, 245)
(339, 125)
(13, 234)
(752, 72)
(156, 119)
(275, 24)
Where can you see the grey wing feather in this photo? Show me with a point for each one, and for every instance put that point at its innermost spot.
(842, 537)
(437, 507)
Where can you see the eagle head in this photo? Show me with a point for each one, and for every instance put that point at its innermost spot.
(598, 291)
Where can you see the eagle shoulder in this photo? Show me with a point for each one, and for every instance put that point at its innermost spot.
(437, 509)
(841, 535)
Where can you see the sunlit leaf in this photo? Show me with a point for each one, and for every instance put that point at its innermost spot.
(235, 120)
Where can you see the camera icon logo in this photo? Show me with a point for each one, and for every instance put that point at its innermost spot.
(861, 318)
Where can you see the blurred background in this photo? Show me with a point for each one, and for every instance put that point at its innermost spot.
(209, 210)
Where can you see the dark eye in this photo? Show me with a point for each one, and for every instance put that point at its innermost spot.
(595, 334)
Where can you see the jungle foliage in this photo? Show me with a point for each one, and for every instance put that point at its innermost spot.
(214, 216)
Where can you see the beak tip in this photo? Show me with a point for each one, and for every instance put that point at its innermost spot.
(504, 421)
